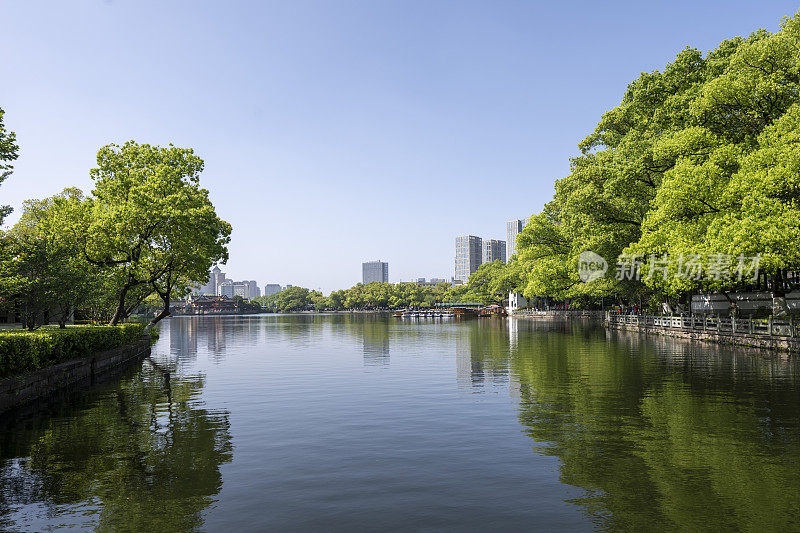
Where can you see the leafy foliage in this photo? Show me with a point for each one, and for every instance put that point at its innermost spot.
(697, 160)
(148, 229)
(24, 351)
(9, 151)
(488, 285)
(44, 268)
(152, 226)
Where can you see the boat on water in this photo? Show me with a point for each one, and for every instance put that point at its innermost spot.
(463, 312)
(491, 311)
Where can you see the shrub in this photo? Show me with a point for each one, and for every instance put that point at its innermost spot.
(24, 351)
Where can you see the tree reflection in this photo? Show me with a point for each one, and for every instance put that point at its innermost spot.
(663, 434)
(146, 456)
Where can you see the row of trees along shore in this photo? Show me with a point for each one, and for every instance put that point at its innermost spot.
(147, 230)
(490, 285)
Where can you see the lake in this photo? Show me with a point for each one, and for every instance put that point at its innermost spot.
(366, 422)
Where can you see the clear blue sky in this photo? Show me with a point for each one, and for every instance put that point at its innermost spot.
(336, 132)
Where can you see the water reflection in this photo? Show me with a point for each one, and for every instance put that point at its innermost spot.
(142, 455)
(634, 433)
(375, 335)
(663, 434)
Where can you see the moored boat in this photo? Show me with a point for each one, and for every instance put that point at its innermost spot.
(492, 311)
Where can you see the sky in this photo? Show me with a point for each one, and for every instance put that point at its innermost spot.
(336, 132)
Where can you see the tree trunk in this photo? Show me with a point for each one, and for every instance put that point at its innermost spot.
(119, 313)
(120, 308)
(62, 320)
(165, 312)
(30, 321)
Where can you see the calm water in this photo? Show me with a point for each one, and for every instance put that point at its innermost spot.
(343, 423)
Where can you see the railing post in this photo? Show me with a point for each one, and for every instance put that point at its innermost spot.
(769, 325)
(705, 322)
(733, 324)
(750, 325)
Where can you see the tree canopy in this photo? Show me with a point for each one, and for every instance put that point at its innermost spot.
(698, 161)
(9, 151)
(148, 228)
(152, 225)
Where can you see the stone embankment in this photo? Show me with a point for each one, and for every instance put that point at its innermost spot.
(765, 334)
(22, 389)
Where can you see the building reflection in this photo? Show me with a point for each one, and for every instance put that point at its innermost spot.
(482, 351)
(374, 333)
(216, 333)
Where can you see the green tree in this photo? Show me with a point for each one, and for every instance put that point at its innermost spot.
(722, 196)
(492, 282)
(44, 268)
(8, 152)
(697, 161)
(152, 226)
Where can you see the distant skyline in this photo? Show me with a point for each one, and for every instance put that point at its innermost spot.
(335, 132)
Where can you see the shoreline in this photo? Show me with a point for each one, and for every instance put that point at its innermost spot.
(20, 390)
(785, 345)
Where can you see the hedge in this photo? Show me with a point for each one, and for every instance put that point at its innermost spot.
(23, 351)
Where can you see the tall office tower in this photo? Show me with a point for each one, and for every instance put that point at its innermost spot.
(494, 250)
(375, 271)
(513, 227)
(469, 254)
(253, 290)
(271, 288)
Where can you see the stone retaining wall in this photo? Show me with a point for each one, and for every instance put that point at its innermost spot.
(788, 344)
(18, 390)
(763, 342)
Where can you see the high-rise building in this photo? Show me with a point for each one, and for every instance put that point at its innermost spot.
(225, 288)
(494, 250)
(469, 255)
(375, 271)
(271, 288)
(513, 227)
(210, 288)
(253, 290)
(241, 288)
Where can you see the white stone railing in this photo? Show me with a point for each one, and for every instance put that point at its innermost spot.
(712, 324)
